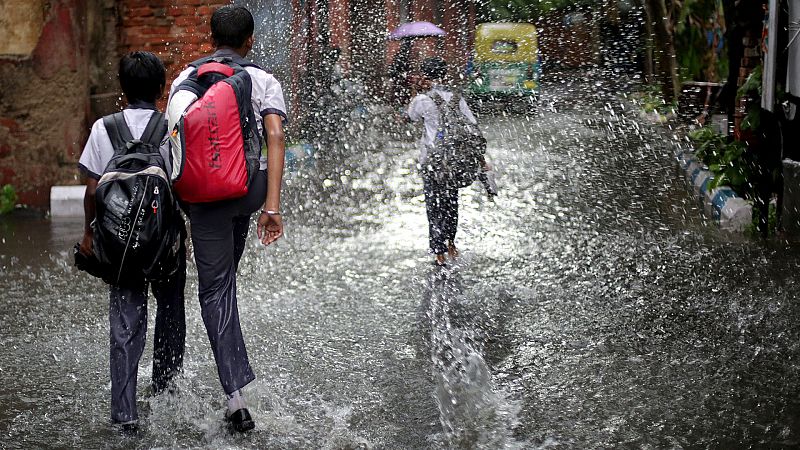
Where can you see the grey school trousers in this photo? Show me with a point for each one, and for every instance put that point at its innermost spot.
(219, 232)
(441, 204)
(128, 328)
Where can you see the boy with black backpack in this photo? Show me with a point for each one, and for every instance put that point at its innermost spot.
(452, 152)
(134, 234)
(222, 108)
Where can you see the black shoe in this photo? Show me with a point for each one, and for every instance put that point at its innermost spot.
(127, 428)
(239, 421)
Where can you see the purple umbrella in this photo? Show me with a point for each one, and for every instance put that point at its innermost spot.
(416, 29)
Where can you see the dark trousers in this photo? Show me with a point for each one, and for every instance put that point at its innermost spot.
(219, 233)
(441, 204)
(128, 328)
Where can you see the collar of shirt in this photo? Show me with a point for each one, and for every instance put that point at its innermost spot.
(235, 57)
(139, 104)
(226, 53)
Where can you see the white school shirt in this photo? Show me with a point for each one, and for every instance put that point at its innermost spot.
(266, 96)
(423, 108)
(99, 150)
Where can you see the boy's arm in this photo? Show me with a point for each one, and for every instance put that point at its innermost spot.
(270, 226)
(89, 212)
(415, 110)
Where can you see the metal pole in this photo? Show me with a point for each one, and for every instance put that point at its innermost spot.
(770, 59)
(793, 70)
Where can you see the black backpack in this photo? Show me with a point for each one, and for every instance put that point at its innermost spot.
(458, 151)
(137, 228)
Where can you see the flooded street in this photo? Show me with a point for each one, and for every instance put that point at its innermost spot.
(592, 307)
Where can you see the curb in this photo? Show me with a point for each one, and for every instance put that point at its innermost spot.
(66, 201)
(729, 211)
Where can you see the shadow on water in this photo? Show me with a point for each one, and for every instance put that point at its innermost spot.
(474, 412)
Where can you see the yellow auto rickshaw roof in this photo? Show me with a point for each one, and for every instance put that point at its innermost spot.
(523, 35)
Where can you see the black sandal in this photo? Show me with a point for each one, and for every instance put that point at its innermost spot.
(240, 421)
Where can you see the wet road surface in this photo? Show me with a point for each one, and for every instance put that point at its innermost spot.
(592, 307)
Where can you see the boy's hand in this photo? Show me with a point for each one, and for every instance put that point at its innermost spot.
(86, 243)
(270, 228)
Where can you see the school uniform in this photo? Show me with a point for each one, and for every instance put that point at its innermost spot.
(128, 301)
(441, 200)
(219, 232)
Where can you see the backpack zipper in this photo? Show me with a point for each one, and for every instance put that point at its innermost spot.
(133, 226)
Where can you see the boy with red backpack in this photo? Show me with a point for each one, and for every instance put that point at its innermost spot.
(133, 234)
(220, 109)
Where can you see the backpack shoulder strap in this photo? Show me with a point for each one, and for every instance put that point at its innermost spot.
(233, 61)
(455, 100)
(118, 131)
(437, 99)
(155, 130)
(455, 106)
(199, 62)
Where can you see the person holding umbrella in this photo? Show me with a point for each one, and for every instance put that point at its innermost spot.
(403, 71)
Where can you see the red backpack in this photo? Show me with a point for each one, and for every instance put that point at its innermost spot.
(215, 141)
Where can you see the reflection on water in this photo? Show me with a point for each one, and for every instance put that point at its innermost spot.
(473, 412)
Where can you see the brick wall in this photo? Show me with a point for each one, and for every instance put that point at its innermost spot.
(564, 43)
(750, 60)
(176, 30)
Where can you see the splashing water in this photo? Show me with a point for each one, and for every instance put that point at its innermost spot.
(474, 413)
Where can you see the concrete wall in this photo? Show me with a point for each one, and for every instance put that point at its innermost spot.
(44, 102)
(58, 63)
(21, 23)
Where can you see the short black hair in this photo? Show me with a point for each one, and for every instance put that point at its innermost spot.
(434, 68)
(231, 26)
(142, 77)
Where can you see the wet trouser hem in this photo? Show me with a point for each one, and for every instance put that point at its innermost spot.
(128, 332)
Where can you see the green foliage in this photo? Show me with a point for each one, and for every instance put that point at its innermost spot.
(8, 198)
(731, 168)
(751, 90)
(728, 161)
(708, 143)
(772, 221)
(752, 85)
(753, 118)
(697, 59)
(650, 99)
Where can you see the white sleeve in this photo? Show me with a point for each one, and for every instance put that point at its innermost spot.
(178, 80)
(268, 96)
(97, 152)
(416, 109)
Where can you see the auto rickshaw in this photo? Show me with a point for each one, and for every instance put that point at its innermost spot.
(506, 61)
